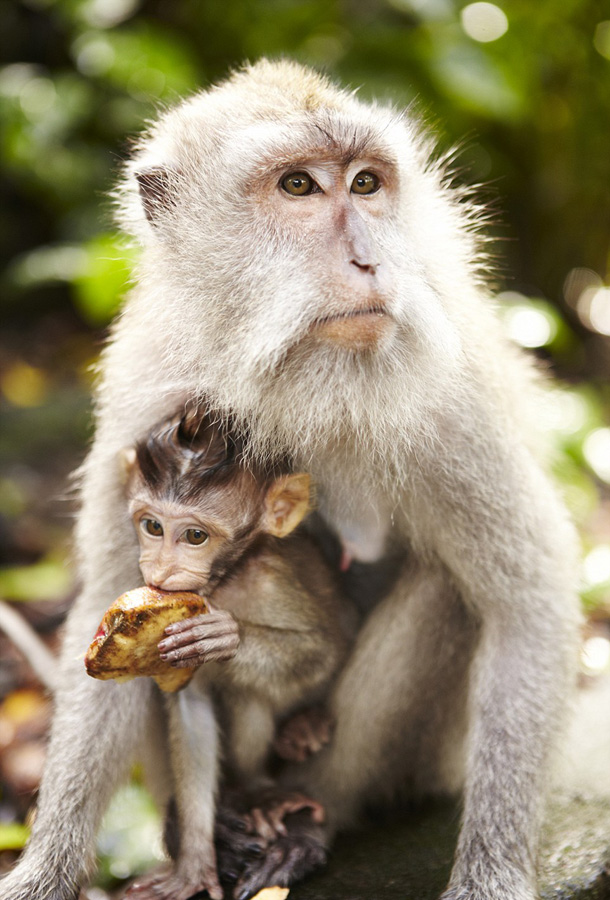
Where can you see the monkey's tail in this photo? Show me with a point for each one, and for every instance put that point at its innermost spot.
(29, 645)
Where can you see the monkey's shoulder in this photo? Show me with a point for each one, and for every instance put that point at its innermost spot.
(288, 573)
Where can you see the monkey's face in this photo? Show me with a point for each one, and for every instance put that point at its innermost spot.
(330, 210)
(279, 236)
(177, 548)
(301, 247)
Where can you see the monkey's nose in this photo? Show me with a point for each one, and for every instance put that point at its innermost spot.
(160, 578)
(366, 267)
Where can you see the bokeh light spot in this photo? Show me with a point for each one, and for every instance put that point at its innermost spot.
(484, 22)
(37, 96)
(593, 308)
(527, 324)
(595, 654)
(93, 54)
(596, 450)
(601, 39)
(596, 565)
(107, 13)
(24, 385)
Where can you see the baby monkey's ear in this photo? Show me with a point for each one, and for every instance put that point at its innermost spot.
(127, 462)
(286, 504)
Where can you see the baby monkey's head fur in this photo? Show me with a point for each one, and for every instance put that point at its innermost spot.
(187, 455)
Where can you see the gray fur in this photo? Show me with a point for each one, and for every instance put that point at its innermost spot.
(430, 435)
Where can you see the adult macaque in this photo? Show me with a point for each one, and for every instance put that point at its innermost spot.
(275, 634)
(310, 271)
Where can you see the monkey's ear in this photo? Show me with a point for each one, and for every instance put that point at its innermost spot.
(286, 504)
(155, 184)
(127, 461)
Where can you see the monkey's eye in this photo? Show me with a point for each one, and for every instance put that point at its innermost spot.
(195, 536)
(152, 527)
(299, 184)
(365, 183)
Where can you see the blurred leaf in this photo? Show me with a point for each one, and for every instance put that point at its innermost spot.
(129, 842)
(46, 580)
(146, 62)
(103, 281)
(13, 836)
(465, 72)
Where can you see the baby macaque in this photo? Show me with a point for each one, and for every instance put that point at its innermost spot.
(207, 522)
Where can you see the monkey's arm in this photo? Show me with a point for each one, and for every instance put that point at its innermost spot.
(255, 656)
(502, 534)
(280, 639)
(194, 753)
(98, 726)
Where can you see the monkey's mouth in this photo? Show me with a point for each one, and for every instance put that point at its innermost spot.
(378, 311)
(353, 314)
(354, 329)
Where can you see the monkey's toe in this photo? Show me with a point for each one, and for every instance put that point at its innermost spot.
(288, 859)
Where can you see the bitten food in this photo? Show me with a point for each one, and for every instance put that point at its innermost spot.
(125, 645)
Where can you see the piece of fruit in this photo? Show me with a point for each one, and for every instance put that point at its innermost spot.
(126, 643)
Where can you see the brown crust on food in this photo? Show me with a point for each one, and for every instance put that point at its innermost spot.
(125, 645)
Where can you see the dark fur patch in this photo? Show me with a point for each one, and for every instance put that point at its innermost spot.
(188, 455)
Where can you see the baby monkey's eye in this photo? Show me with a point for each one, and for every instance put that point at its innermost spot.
(299, 184)
(152, 527)
(365, 183)
(195, 536)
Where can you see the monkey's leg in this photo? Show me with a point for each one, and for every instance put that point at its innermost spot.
(519, 682)
(97, 726)
(400, 704)
(250, 735)
(194, 754)
(93, 743)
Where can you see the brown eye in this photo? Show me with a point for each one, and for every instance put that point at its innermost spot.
(298, 184)
(152, 527)
(195, 536)
(365, 183)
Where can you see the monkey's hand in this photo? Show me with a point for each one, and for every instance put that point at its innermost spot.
(267, 816)
(304, 734)
(213, 637)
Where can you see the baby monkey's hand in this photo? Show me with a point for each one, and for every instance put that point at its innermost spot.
(213, 637)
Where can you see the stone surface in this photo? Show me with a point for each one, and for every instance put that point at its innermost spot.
(409, 858)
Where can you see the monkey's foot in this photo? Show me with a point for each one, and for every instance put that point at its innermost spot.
(266, 818)
(304, 734)
(288, 859)
(173, 885)
(236, 844)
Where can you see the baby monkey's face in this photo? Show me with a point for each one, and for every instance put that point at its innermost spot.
(177, 547)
